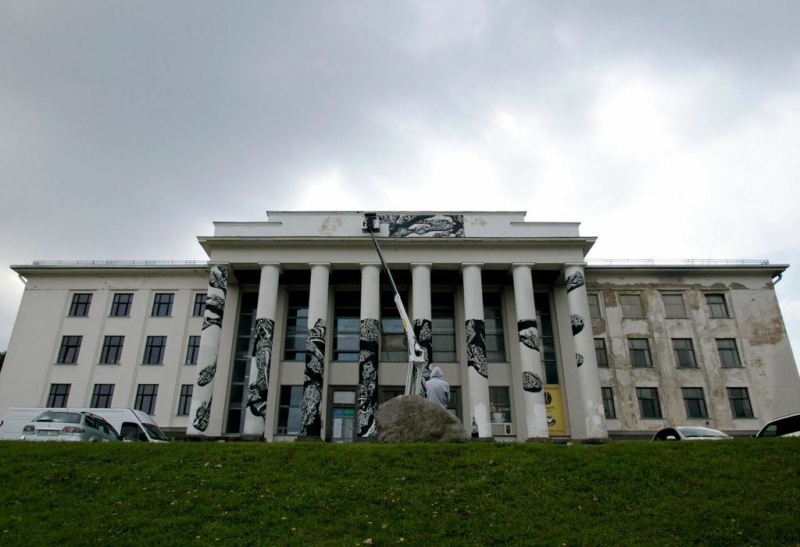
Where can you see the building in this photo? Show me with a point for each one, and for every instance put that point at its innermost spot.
(290, 330)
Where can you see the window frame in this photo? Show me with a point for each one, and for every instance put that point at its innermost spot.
(106, 357)
(746, 405)
(70, 350)
(192, 350)
(57, 399)
(154, 345)
(635, 352)
(654, 400)
(494, 312)
(717, 310)
(199, 306)
(601, 353)
(392, 328)
(673, 306)
(146, 394)
(724, 362)
(185, 400)
(288, 407)
(296, 325)
(102, 393)
(346, 325)
(79, 307)
(159, 305)
(609, 408)
(596, 297)
(443, 326)
(118, 306)
(627, 308)
(697, 403)
(685, 351)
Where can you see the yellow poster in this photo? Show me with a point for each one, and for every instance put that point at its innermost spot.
(556, 423)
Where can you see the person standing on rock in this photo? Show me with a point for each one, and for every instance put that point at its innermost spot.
(438, 389)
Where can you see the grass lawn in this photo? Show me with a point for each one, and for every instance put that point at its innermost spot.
(741, 492)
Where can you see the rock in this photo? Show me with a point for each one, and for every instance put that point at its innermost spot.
(409, 419)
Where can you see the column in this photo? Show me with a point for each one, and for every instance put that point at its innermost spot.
(421, 306)
(262, 350)
(477, 372)
(315, 351)
(585, 358)
(529, 352)
(200, 412)
(369, 349)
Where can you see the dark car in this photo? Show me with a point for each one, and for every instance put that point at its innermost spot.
(690, 433)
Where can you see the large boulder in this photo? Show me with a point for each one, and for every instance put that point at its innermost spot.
(412, 419)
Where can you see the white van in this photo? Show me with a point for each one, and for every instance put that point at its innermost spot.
(785, 426)
(132, 425)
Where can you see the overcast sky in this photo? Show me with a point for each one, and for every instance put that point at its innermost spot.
(668, 129)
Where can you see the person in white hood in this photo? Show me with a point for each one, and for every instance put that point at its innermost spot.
(438, 389)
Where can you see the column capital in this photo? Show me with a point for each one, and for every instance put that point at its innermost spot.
(318, 264)
(522, 265)
(573, 265)
(278, 264)
(421, 264)
(367, 264)
(465, 265)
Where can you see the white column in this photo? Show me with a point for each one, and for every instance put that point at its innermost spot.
(315, 351)
(421, 306)
(262, 350)
(532, 380)
(585, 358)
(369, 349)
(477, 371)
(207, 354)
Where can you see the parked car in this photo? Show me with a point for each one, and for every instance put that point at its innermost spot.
(785, 426)
(690, 433)
(62, 425)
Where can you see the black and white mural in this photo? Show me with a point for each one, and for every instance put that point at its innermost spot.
(575, 281)
(369, 348)
(528, 333)
(532, 382)
(311, 425)
(423, 330)
(476, 346)
(202, 416)
(579, 359)
(206, 374)
(262, 352)
(577, 323)
(424, 225)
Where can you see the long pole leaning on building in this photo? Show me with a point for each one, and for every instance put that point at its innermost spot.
(416, 355)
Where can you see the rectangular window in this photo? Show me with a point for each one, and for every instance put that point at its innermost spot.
(740, 402)
(443, 325)
(594, 306)
(192, 350)
(544, 319)
(600, 352)
(162, 305)
(343, 416)
(500, 403)
(102, 395)
(673, 306)
(694, 402)
(112, 350)
(294, 347)
(346, 325)
(649, 405)
(640, 352)
(185, 401)
(290, 411)
(728, 354)
(716, 305)
(154, 350)
(146, 398)
(394, 345)
(59, 395)
(631, 305)
(70, 347)
(80, 305)
(199, 305)
(121, 305)
(683, 350)
(608, 403)
(493, 323)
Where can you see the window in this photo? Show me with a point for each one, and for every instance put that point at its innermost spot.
(694, 402)
(59, 395)
(346, 325)
(728, 354)
(296, 326)
(673, 306)
(102, 395)
(640, 352)
(199, 305)
(600, 352)
(500, 404)
(631, 305)
(192, 350)
(121, 305)
(112, 349)
(594, 306)
(146, 398)
(162, 305)
(493, 323)
(80, 305)
(154, 350)
(343, 416)
(684, 352)
(546, 337)
(740, 402)
(70, 347)
(394, 345)
(443, 325)
(290, 411)
(608, 403)
(185, 401)
(716, 305)
(649, 405)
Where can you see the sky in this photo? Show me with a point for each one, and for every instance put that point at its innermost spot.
(669, 129)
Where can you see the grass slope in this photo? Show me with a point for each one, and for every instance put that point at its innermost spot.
(742, 492)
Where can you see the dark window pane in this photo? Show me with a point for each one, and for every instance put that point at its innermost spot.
(80, 305)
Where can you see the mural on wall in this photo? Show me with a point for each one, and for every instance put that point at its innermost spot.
(423, 329)
(424, 225)
(368, 376)
(476, 346)
(579, 359)
(577, 323)
(528, 333)
(262, 351)
(206, 374)
(202, 416)
(311, 424)
(575, 281)
(532, 382)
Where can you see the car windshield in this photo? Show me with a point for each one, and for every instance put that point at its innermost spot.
(700, 432)
(155, 432)
(59, 417)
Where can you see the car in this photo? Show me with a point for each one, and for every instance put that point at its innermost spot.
(690, 433)
(64, 425)
(785, 426)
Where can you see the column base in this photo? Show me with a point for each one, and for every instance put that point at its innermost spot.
(253, 438)
(308, 439)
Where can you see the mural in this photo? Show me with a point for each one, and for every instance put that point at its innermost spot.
(476, 346)
(311, 424)
(202, 416)
(528, 333)
(575, 281)
(579, 359)
(423, 329)
(262, 351)
(424, 225)
(206, 374)
(215, 307)
(532, 382)
(368, 376)
(577, 323)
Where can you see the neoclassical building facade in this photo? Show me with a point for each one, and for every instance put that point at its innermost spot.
(290, 331)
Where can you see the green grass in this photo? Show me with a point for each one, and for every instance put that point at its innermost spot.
(742, 492)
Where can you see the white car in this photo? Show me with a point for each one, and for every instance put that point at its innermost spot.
(785, 426)
(63, 425)
(690, 433)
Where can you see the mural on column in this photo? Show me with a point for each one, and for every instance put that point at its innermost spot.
(368, 376)
(202, 416)
(312, 387)
(206, 374)
(424, 225)
(262, 351)
(576, 281)
(528, 335)
(476, 346)
(423, 330)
